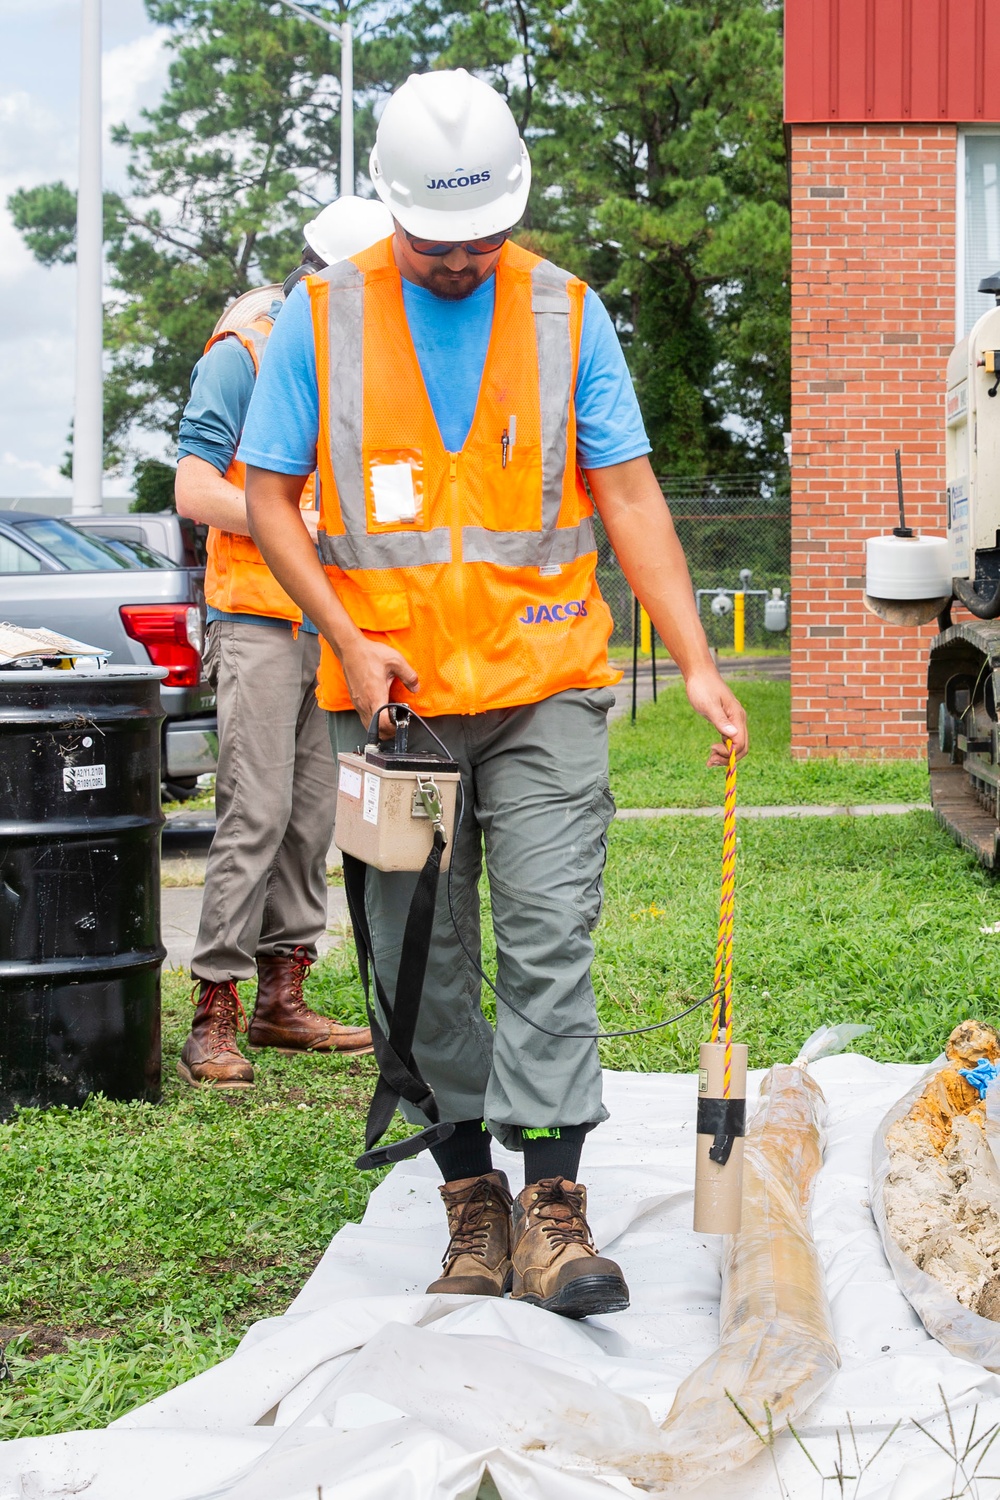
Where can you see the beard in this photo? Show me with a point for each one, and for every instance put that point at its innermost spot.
(452, 286)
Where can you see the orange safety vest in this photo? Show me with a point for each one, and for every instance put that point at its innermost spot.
(237, 579)
(478, 566)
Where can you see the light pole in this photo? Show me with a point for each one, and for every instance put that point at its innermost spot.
(344, 33)
(88, 415)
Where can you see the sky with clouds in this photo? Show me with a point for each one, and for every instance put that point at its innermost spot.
(39, 99)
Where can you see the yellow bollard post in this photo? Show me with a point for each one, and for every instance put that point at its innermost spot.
(739, 622)
(645, 632)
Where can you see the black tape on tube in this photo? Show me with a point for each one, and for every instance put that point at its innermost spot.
(725, 1119)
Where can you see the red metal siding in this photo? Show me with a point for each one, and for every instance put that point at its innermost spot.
(892, 60)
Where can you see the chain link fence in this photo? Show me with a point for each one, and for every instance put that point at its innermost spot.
(725, 525)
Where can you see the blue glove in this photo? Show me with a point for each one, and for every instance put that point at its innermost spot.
(981, 1076)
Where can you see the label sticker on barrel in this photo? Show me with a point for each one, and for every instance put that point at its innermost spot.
(350, 782)
(703, 1080)
(370, 809)
(84, 778)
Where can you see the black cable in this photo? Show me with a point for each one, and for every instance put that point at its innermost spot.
(565, 1036)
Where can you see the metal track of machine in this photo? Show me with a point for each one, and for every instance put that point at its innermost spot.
(963, 736)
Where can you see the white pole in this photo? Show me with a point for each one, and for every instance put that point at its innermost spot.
(346, 108)
(345, 33)
(88, 419)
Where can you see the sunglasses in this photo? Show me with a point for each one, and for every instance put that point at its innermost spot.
(485, 246)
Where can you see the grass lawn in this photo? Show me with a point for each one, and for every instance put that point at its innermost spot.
(139, 1242)
(659, 761)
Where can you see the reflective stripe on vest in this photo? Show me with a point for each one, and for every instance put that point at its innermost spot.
(237, 579)
(478, 566)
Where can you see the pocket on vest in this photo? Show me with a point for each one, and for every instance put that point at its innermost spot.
(394, 490)
(511, 494)
(376, 610)
(244, 549)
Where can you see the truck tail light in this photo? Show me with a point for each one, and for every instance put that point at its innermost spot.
(172, 634)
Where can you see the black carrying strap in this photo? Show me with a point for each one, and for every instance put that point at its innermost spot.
(399, 1076)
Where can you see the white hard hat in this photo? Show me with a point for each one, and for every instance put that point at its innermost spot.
(448, 160)
(346, 227)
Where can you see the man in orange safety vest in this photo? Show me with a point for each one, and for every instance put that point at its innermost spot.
(466, 406)
(265, 899)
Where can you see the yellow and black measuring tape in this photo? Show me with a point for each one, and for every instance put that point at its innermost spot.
(722, 1063)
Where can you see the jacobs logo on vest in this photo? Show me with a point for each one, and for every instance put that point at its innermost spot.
(546, 612)
(467, 179)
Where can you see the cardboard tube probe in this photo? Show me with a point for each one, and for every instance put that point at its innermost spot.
(718, 1174)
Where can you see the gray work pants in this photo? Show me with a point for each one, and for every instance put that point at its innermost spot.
(265, 882)
(537, 795)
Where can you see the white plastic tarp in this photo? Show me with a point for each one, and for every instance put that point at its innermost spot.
(368, 1390)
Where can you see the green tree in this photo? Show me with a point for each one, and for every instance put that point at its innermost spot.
(655, 129)
(659, 176)
(154, 486)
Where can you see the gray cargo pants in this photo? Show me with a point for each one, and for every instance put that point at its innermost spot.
(537, 794)
(265, 882)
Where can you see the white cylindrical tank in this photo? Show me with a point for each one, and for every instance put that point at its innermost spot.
(775, 612)
(908, 567)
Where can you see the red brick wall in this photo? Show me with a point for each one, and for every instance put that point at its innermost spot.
(873, 322)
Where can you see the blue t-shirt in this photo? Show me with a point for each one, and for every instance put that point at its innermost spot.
(222, 383)
(221, 386)
(451, 340)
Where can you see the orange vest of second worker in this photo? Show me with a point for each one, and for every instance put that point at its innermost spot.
(478, 566)
(237, 579)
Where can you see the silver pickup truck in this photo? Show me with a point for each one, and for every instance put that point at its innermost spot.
(55, 575)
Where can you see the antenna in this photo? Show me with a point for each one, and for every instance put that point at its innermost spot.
(902, 529)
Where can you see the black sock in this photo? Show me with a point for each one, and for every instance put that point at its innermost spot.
(552, 1153)
(467, 1153)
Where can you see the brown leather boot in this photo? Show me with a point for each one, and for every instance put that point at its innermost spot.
(555, 1263)
(282, 1019)
(477, 1260)
(211, 1054)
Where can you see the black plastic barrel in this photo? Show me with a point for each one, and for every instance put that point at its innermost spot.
(80, 949)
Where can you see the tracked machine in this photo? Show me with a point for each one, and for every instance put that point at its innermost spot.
(912, 580)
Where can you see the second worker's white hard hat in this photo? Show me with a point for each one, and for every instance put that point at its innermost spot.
(448, 161)
(346, 227)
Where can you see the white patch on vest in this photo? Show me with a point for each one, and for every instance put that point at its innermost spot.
(550, 570)
(393, 494)
(350, 782)
(370, 809)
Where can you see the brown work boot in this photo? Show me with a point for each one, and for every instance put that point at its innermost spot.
(556, 1265)
(211, 1054)
(282, 1019)
(477, 1260)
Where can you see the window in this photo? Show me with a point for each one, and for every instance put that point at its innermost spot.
(978, 222)
(78, 553)
(14, 559)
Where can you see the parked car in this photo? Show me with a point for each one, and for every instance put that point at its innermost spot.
(177, 537)
(137, 554)
(55, 575)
